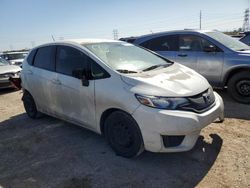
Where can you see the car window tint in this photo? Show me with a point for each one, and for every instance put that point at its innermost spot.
(97, 72)
(205, 44)
(68, 59)
(189, 43)
(163, 43)
(45, 58)
(31, 56)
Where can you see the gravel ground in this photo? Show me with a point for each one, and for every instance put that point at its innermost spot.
(51, 153)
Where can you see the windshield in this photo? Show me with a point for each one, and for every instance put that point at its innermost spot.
(16, 56)
(125, 57)
(228, 41)
(3, 62)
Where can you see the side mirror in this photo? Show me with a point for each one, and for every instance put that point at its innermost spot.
(210, 48)
(82, 75)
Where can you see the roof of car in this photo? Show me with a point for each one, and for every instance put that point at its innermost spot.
(88, 41)
(166, 32)
(77, 41)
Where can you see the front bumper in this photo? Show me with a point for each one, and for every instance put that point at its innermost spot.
(5, 83)
(155, 123)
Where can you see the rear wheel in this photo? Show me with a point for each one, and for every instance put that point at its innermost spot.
(123, 134)
(239, 87)
(30, 105)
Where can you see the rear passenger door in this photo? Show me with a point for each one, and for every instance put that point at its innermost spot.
(41, 76)
(74, 101)
(163, 45)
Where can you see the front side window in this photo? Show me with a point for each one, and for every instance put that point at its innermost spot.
(189, 43)
(69, 59)
(45, 58)
(125, 57)
(163, 43)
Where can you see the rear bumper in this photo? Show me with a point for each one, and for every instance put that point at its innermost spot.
(156, 123)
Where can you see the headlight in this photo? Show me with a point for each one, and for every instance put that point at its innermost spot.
(170, 103)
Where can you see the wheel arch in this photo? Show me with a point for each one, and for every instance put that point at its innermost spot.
(235, 71)
(104, 116)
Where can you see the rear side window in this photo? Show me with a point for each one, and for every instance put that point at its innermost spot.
(163, 43)
(31, 56)
(45, 58)
(68, 59)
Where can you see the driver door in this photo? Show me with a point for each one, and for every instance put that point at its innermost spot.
(74, 101)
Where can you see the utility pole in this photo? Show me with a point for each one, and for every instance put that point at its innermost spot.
(200, 19)
(53, 38)
(246, 26)
(115, 34)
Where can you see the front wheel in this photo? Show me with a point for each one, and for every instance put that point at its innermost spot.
(123, 134)
(239, 87)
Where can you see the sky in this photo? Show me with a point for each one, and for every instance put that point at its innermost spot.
(27, 23)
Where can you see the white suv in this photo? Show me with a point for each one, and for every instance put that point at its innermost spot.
(136, 98)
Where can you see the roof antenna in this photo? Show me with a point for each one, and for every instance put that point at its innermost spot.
(53, 38)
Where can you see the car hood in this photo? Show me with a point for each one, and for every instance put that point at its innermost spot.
(9, 68)
(173, 81)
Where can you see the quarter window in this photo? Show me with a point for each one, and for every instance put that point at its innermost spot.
(163, 43)
(45, 58)
(97, 72)
(31, 56)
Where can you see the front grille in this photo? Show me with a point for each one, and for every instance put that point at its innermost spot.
(201, 102)
(6, 75)
(5, 84)
(18, 63)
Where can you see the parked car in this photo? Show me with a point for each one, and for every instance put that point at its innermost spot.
(8, 71)
(15, 58)
(136, 98)
(245, 38)
(223, 60)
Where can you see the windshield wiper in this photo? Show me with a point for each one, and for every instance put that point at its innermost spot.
(126, 71)
(156, 66)
(243, 49)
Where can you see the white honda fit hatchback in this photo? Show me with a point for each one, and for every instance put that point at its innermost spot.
(136, 98)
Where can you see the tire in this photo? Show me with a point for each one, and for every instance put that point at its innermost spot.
(239, 87)
(30, 105)
(123, 134)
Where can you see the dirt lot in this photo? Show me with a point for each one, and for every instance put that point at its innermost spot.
(51, 153)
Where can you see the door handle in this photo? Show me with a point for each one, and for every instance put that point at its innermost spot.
(182, 55)
(56, 81)
(29, 72)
